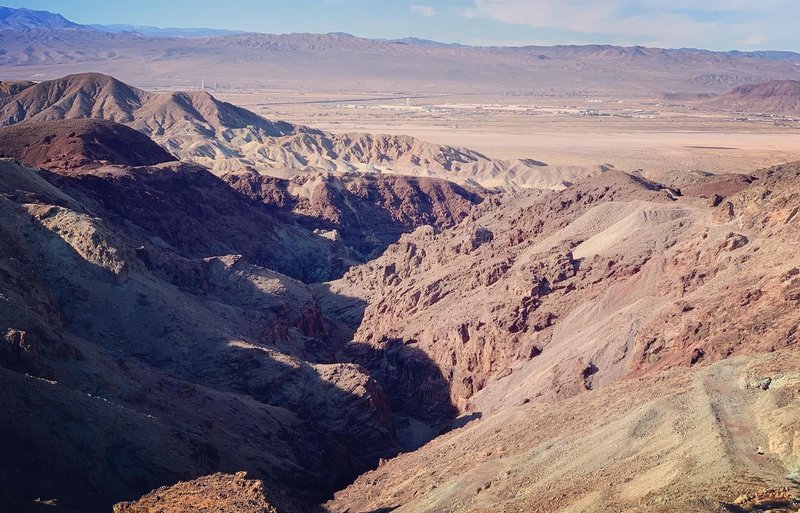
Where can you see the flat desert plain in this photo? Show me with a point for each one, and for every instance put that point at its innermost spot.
(559, 129)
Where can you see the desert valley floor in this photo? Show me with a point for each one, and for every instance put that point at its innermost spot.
(561, 129)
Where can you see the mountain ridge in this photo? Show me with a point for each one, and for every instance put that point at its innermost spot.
(27, 19)
(41, 19)
(206, 309)
(294, 60)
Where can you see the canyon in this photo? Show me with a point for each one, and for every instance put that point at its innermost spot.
(206, 309)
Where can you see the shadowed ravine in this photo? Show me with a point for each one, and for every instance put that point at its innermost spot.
(184, 362)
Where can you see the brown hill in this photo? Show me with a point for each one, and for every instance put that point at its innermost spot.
(94, 95)
(483, 296)
(68, 144)
(773, 97)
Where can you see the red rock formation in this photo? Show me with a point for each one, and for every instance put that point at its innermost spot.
(69, 144)
(218, 493)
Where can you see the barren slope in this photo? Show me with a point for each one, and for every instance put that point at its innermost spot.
(183, 363)
(611, 278)
(712, 440)
(608, 375)
(136, 297)
(581, 344)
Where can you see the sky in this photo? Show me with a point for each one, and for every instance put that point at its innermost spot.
(711, 24)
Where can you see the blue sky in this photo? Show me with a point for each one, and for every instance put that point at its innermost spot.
(712, 24)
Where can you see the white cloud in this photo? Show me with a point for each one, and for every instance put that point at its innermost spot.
(424, 10)
(710, 23)
(753, 40)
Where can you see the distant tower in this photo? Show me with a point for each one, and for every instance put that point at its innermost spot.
(202, 85)
(408, 102)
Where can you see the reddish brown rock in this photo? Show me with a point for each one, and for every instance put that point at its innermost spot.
(73, 143)
(217, 493)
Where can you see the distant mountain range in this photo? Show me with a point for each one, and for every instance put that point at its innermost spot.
(147, 30)
(27, 19)
(47, 45)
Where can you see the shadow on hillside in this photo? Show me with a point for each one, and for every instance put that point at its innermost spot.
(418, 391)
(171, 365)
(196, 214)
(369, 220)
(463, 420)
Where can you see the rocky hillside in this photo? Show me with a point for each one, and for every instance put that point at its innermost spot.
(161, 347)
(349, 217)
(648, 276)
(773, 97)
(220, 493)
(167, 308)
(617, 346)
(583, 327)
(716, 439)
(197, 127)
(160, 323)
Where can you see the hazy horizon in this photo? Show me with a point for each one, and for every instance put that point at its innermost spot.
(718, 25)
